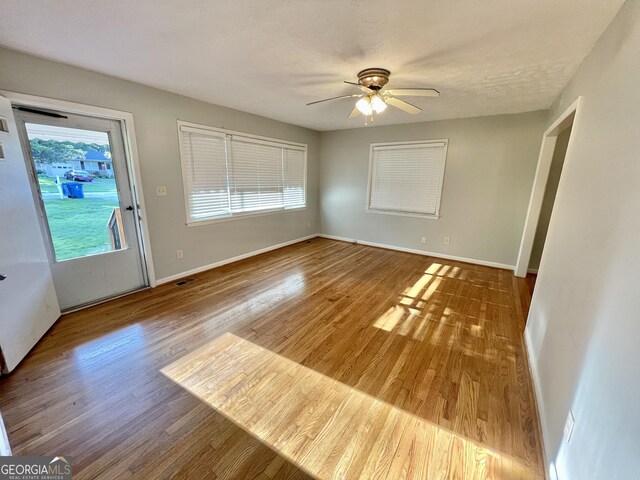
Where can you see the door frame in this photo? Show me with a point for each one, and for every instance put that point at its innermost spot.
(131, 157)
(568, 118)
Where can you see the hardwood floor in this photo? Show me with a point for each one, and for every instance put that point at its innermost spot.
(531, 282)
(323, 359)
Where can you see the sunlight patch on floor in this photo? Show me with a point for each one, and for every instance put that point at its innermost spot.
(325, 427)
(408, 316)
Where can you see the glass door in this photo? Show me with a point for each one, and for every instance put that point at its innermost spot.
(83, 191)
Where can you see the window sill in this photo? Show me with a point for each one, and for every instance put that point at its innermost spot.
(242, 216)
(404, 214)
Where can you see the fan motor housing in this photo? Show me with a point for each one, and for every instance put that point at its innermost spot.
(374, 78)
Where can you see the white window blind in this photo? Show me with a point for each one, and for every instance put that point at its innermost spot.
(294, 166)
(225, 175)
(407, 178)
(204, 165)
(256, 176)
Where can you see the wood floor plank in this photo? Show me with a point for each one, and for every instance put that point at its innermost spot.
(324, 359)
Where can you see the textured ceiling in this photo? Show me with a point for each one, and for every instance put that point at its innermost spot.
(271, 57)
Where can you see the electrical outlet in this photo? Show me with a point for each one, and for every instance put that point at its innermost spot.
(568, 427)
(447, 240)
(423, 239)
(161, 190)
(179, 254)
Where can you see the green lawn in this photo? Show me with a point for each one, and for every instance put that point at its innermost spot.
(48, 184)
(79, 225)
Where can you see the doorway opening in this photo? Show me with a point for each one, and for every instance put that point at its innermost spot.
(548, 201)
(556, 146)
(88, 213)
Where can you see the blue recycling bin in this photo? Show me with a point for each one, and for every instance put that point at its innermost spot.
(73, 190)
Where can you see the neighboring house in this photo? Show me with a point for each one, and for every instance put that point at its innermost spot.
(54, 169)
(93, 162)
(96, 163)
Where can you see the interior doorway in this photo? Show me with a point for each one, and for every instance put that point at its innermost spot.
(557, 163)
(83, 192)
(556, 147)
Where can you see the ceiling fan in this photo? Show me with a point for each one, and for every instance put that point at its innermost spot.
(374, 99)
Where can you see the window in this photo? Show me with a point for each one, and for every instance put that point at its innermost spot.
(406, 178)
(228, 174)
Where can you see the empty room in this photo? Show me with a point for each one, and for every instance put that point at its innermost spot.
(319, 239)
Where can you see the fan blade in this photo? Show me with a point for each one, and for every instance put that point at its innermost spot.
(361, 87)
(402, 105)
(354, 113)
(333, 98)
(414, 92)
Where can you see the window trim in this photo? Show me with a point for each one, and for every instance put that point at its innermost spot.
(400, 144)
(229, 134)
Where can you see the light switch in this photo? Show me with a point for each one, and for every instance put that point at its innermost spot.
(161, 190)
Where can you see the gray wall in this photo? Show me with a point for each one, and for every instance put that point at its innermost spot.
(584, 326)
(489, 173)
(155, 113)
(549, 198)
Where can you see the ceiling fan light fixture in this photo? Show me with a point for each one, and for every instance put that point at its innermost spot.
(374, 98)
(364, 105)
(378, 105)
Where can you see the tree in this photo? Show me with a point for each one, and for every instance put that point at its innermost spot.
(50, 151)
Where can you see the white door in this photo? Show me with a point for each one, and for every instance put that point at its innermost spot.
(28, 304)
(83, 192)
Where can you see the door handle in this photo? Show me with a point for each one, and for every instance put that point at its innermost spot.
(129, 208)
(2, 276)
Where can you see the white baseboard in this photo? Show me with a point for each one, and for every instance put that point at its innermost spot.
(532, 270)
(203, 268)
(421, 252)
(537, 390)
